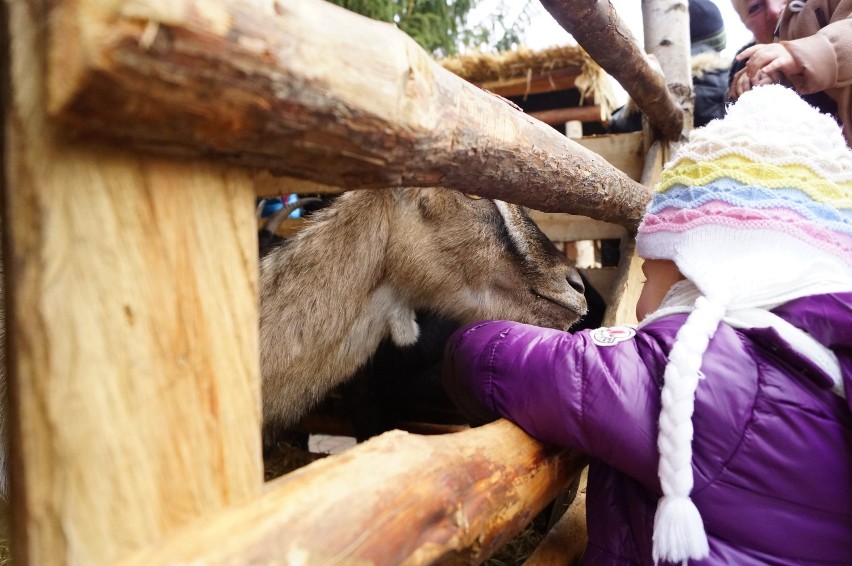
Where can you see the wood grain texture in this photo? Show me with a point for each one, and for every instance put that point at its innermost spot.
(134, 373)
(625, 152)
(558, 116)
(557, 79)
(396, 499)
(313, 91)
(570, 228)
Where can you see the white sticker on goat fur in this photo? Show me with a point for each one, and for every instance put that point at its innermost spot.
(612, 335)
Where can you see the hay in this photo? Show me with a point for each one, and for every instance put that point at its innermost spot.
(488, 70)
(518, 549)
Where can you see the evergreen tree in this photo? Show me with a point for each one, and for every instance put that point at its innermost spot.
(439, 26)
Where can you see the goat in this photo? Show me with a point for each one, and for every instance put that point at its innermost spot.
(362, 267)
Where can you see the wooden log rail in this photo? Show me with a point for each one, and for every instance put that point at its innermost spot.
(310, 90)
(395, 499)
(596, 26)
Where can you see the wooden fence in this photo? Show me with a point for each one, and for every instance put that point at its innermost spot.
(134, 130)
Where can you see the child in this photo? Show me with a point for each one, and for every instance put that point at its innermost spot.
(718, 430)
(814, 56)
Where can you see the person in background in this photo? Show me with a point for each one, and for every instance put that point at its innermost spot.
(720, 430)
(760, 17)
(709, 71)
(813, 55)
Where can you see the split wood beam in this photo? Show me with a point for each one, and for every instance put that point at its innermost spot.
(311, 90)
(598, 29)
(390, 500)
(134, 378)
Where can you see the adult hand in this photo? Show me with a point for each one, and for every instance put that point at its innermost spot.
(770, 59)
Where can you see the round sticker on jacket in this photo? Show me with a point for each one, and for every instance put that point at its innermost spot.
(610, 336)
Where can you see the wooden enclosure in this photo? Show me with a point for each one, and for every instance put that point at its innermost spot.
(138, 134)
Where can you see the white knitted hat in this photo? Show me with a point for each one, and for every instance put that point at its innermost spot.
(755, 210)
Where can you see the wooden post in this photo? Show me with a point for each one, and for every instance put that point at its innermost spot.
(262, 84)
(666, 30)
(133, 370)
(627, 286)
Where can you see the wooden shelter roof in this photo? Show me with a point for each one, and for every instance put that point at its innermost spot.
(524, 71)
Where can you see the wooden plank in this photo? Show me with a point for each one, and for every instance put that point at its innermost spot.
(652, 169)
(559, 79)
(254, 84)
(390, 500)
(558, 116)
(133, 371)
(626, 287)
(623, 151)
(570, 228)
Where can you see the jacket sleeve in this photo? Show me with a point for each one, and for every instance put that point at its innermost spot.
(563, 389)
(825, 56)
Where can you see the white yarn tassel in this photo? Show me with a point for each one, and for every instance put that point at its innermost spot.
(678, 529)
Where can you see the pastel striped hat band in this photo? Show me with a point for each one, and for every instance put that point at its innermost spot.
(755, 210)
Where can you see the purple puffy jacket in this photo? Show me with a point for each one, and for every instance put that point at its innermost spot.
(772, 451)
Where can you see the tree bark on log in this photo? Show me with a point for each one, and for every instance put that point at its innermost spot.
(598, 29)
(311, 90)
(666, 30)
(396, 499)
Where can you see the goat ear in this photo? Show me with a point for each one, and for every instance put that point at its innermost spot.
(404, 330)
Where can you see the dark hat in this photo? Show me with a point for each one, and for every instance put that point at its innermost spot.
(706, 26)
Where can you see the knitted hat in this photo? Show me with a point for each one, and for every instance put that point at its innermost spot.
(755, 210)
(706, 26)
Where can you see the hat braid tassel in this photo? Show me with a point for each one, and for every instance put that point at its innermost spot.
(678, 528)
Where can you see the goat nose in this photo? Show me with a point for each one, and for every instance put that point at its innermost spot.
(576, 282)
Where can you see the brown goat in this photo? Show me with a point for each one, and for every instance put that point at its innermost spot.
(357, 273)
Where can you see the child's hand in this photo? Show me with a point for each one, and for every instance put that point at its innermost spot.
(769, 59)
(742, 83)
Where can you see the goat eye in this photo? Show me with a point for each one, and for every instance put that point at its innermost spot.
(472, 196)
